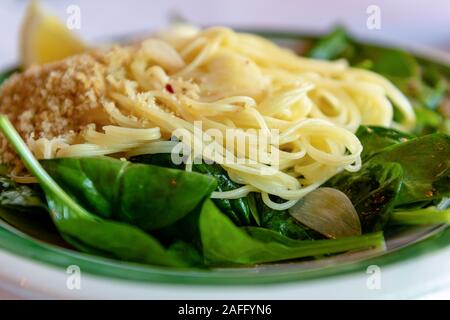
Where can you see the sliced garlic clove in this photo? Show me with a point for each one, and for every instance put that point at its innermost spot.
(329, 212)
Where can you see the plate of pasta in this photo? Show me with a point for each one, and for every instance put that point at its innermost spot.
(212, 155)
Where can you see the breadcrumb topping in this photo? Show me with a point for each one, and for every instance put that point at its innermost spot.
(55, 100)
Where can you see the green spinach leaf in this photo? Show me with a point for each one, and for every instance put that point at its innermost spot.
(426, 167)
(332, 46)
(375, 139)
(372, 190)
(430, 215)
(147, 196)
(239, 210)
(27, 198)
(283, 223)
(392, 63)
(84, 230)
(226, 244)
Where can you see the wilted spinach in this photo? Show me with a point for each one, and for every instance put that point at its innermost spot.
(225, 244)
(25, 208)
(430, 215)
(372, 190)
(283, 223)
(396, 174)
(375, 139)
(147, 196)
(87, 231)
(27, 198)
(426, 167)
(334, 45)
(239, 210)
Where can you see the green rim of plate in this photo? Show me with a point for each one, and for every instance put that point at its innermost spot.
(20, 244)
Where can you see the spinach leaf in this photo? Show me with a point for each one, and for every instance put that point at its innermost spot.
(283, 223)
(426, 167)
(375, 139)
(160, 159)
(372, 190)
(188, 253)
(224, 243)
(147, 196)
(25, 208)
(27, 198)
(429, 88)
(396, 174)
(332, 46)
(430, 215)
(429, 121)
(109, 238)
(392, 63)
(267, 235)
(84, 230)
(239, 210)
(185, 230)
(35, 223)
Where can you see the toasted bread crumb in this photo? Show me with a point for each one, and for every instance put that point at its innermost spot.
(54, 100)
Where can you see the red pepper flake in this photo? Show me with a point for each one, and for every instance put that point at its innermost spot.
(169, 88)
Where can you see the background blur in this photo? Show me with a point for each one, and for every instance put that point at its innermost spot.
(424, 22)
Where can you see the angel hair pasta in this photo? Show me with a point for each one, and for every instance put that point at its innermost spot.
(135, 97)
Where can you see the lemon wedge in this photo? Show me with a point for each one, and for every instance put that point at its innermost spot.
(44, 38)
